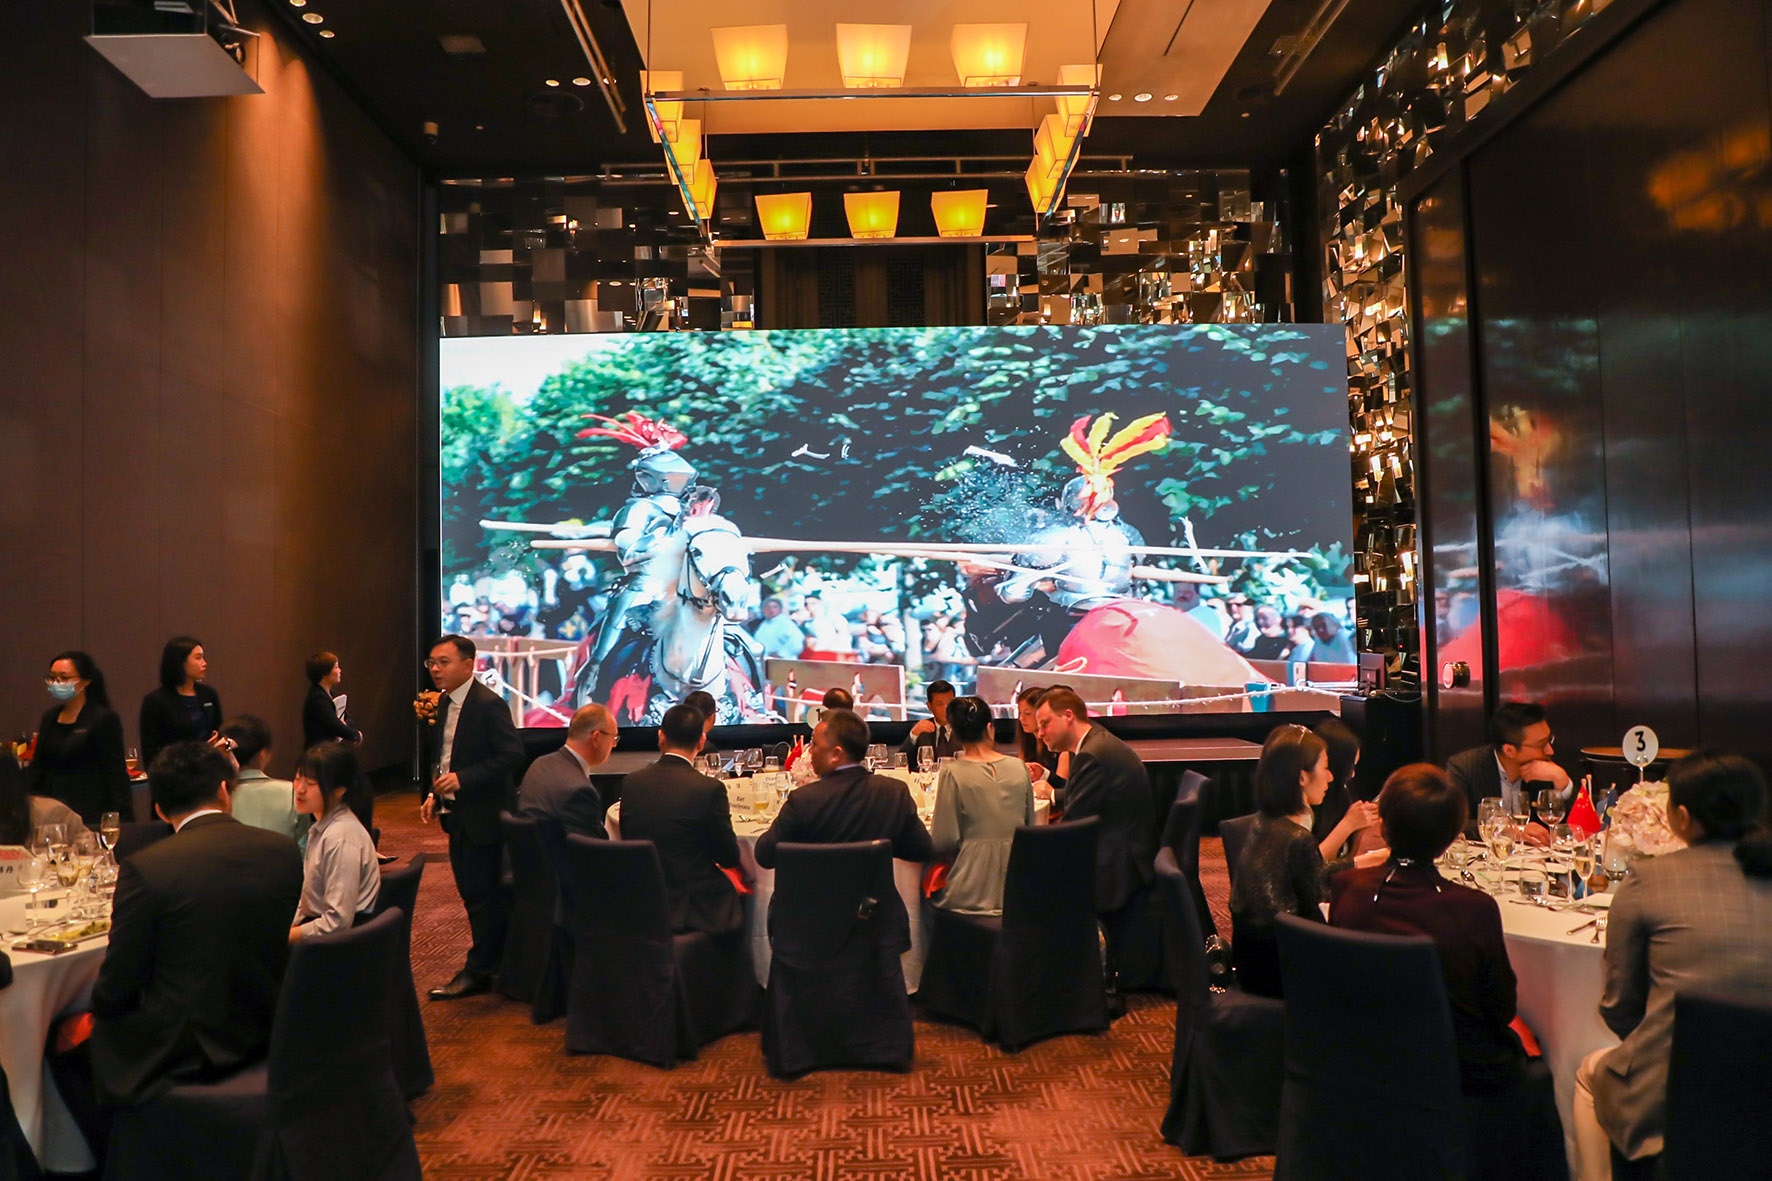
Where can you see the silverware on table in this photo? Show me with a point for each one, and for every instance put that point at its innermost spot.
(1585, 926)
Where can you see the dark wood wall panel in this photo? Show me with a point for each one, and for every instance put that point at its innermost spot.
(209, 417)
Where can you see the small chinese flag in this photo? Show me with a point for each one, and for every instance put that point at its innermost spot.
(1582, 817)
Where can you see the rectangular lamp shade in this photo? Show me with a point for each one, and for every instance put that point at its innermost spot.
(784, 217)
(751, 57)
(1052, 147)
(959, 214)
(1078, 110)
(989, 55)
(685, 146)
(668, 113)
(871, 215)
(1041, 188)
(873, 55)
(701, 190)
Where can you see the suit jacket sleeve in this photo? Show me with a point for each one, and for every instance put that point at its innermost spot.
(129, 956)
(500, 766)
(320, 718)
(583, 813)
(781, 830)
(153, 733)
(107, 739)
(722, 842)
(1460, 770)
(1626, 994)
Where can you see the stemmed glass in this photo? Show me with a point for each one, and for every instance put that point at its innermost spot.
(110, 827)
(33, 875)
(1551, 807)
(1615, 858)
(1487, 810)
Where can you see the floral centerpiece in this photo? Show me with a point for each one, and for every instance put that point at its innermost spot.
(1639, 820)
(425, 706)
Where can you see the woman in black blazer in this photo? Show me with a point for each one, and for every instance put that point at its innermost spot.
(79, 756)
(320, 719)
(183, 707)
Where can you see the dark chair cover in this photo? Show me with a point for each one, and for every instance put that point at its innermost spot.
(1036, 971)
(837, 928)
(133, 835)
(1181, 837)
(406, 1029)
(1514, 1132)
(16, 1159)
(638, 990)
(1135, 943)
(536, 962)
(1235, 834)
(1190, 788)
(1717, 1074)
(1372, 1084)
(324, 1106)
(1227, 1064)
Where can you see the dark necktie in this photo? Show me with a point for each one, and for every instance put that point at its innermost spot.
(443, 727)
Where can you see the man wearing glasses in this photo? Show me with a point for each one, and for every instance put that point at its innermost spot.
(1516, 764)
(557, 791)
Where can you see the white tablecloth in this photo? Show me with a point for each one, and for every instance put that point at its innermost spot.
(43, 988)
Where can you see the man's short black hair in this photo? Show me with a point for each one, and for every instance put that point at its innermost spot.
(187, 775)
(1509, 724)
(681, 726)
(848, 731)
(463, 646)
(252, 736)
(704, 701)
(937, 687)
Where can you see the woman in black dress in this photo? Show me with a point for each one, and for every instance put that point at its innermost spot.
(183, 707)
(321, 720)
(79, 756)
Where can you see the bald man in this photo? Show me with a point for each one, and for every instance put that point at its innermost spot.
(557, 791)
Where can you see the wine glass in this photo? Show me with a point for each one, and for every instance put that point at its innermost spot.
(1519, 809)
(1487, 809)
(1615, 858)
(110, 827)
(1501, 840)
(33, 875)
(1551, 807)
(753, 760)
(132, 762)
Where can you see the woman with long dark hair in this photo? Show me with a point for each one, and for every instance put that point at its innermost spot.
(1338, 835)
(1047, 768)
(340, 874)
(79, 756)
(183, 708)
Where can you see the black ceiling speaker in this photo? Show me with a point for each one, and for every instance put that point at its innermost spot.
(176, 48)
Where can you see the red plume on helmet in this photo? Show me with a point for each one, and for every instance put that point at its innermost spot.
(638, 431)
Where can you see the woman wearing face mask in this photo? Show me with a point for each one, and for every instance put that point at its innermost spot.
(79, 757)
(183, 708)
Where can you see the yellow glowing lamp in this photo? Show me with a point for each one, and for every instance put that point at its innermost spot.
(1052, 147)
(784, 217)
(701, 189)
(871, 215)
(751, 57)
(873, 55)
(667, 113)
(989, 55)
(960, 213)
(1078, 109)
(685, 146)
(1041, 188)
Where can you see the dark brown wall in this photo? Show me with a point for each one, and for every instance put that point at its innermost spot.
(208, 350)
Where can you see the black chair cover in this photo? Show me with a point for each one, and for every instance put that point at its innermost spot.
(1035, 972)
(133, 835)
(1235, 834)
(1228, 1060)
(837, 928)
(406, 1028)
(1718, 1074)
(637, 990)
(1135, 943)
(1371, 1066)
(323, 1107)
(1181, 837)
(535, 966)
(16, 1158)
(1514, 1132)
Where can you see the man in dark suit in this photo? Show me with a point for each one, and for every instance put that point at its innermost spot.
(473, 746)
(933, 732)
(199, 938)
(1107, 780)
(846, 803)
(557, 790)
(1517, 762)
(685, 815)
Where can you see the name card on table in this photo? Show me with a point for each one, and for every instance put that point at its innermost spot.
(11, 857)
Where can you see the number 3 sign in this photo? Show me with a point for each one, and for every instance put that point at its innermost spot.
(1640, 746)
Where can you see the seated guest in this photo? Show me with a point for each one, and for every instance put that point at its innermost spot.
(557, 790)
(1281, 868)
(704, 702)
(981, 798)
(1046, 767)
(259, 800)
(321, 720)
(846, 802)
(838, 699)
(1516, 762)
(1107, 780)
(340, 874)
(780, 637)
(1699, 920)
(199, 938)
(21, 813)
(932, 732)
(1330, 642)
(183, 707)
(1272, 641)
(686, 816)
(79, 754)
(1339, 801)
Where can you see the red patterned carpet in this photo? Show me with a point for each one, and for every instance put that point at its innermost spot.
(511, 1103)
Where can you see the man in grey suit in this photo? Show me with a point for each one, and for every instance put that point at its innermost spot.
(557, 791)
(1516, 762)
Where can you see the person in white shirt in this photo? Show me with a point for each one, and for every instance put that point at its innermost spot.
(1187, 598)
(340, 874)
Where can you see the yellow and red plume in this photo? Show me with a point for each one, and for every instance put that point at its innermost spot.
(638, 431)
(1098, 456)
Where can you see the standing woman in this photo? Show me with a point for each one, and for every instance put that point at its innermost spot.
(340, 874)
(321, 720)
(79, 757)
(183, 708)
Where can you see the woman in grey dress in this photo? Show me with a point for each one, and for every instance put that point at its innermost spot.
(981, 798)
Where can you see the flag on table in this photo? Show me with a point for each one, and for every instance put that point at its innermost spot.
(1582, 817)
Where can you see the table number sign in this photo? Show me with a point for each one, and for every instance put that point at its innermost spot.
(1640, 748)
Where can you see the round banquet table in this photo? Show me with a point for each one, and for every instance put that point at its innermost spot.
(43, 988)
(907, 875)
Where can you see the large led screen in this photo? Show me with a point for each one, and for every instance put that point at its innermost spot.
(1133, 509)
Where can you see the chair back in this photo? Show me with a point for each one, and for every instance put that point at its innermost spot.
(411, 1048)
(1371, 1064)
(826, 895)
(616, 889)
(534, 866)
(1190, 972)
(1235, 835)
(1718, 1072)
(1192, 786)
(399, 887)
(529, 968)
(1051, 877)
(135, 835)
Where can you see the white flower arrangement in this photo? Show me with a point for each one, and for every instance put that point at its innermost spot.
(1639, 820)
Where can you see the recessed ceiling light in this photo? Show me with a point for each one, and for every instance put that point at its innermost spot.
(1113, 98)
(553, 81)
(581, 81)
(298, 3)
(1169, 98)
(1245, 114)
(1143, 96)
(327, 33)
(313, 18)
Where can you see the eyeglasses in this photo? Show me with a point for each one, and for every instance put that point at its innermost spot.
(55, 680)
(433, 662)
(1545, 743)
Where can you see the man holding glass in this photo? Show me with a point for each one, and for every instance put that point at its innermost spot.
(474, 749)
(1513, 768)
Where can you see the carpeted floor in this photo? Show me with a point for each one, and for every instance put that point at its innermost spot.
(511, 1103)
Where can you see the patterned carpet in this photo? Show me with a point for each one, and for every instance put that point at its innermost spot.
(510, 1103)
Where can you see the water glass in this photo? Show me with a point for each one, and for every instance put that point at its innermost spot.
(901, 761)
(771, 765)
(1560, 867)
(1533, 883)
